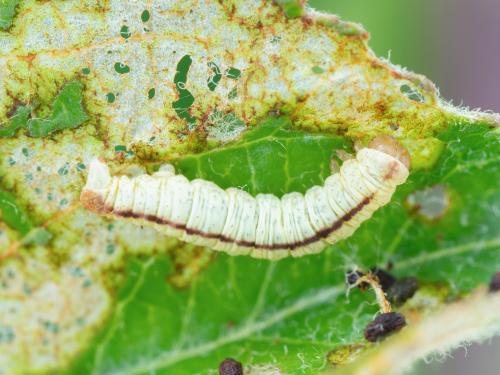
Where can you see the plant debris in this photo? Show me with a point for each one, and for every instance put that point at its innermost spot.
(384, 325)
(230, 366)
(402, 290)
(495, 283)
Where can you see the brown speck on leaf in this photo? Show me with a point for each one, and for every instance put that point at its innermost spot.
(230, 366)
(344, 354)
(381, 108)
(495, 283)
(307, 21)
(384, 325)
(14, 108)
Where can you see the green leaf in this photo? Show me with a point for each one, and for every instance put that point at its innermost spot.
(272, 159)
(16, 122)
(67, 112)
(132, 300)
(293, 312)
(13, 214)
(7, 12)
(292, 8)
(37, 236)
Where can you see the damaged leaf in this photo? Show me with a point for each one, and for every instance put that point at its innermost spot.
(67, 113)
(260, 95)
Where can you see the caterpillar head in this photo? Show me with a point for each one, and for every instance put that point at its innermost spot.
(391, 146)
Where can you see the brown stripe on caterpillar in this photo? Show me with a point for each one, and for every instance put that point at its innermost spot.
(285, 246)
(231, 220)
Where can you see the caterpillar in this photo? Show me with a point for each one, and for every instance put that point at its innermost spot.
(265, 226)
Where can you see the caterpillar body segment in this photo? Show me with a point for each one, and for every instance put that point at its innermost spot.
(265, 226)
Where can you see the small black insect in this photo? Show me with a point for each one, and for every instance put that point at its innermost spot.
(495, 283)
(402, 290)
(384, 325)
(352, 277)
(385, 279)
(230, 366)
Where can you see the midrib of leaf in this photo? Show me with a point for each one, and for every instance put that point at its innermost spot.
(425, 257)
(326, 295)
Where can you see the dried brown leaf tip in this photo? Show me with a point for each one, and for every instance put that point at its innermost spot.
(384, 325)
(230, 366)
(495, 283)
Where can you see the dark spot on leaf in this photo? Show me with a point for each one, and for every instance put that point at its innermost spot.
(317, 69)
(412, 94)
(230, 366)
(110, 97)
(233, 94)
(186, 99)
(63, 171)
(86, 70)
(384, 325)
(495, 283)
(402, 290)
(110, 249)
(151, 93)
(6, 334)
(214, 77)
(145, 16)
(125, 32)
(232, 73)
(122, 68)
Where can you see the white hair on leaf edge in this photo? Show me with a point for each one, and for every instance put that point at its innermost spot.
(265, 226)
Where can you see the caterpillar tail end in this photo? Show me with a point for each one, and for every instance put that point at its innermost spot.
(94, 191)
